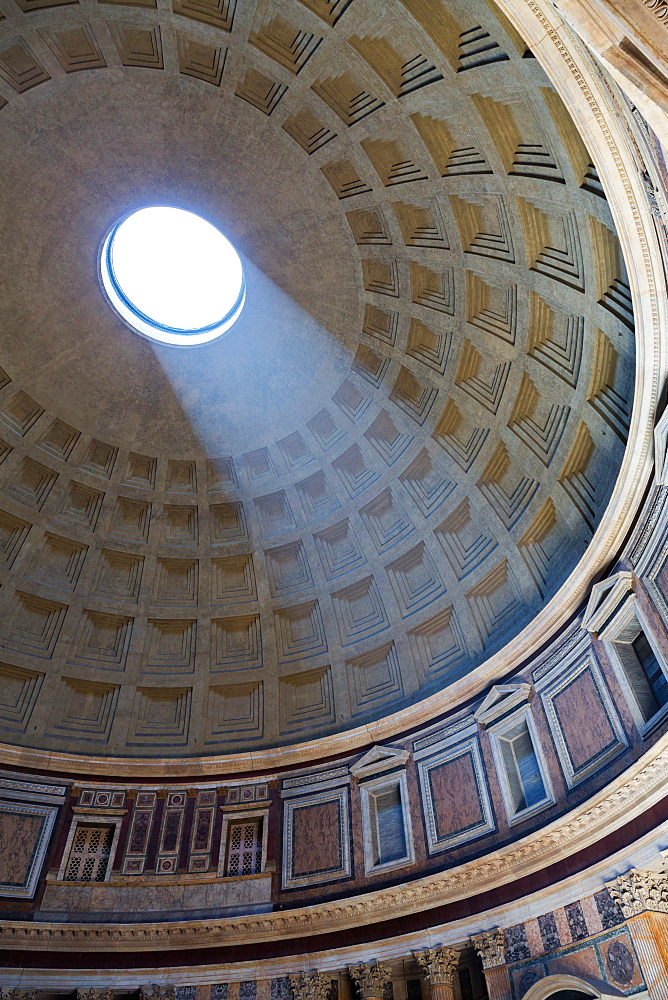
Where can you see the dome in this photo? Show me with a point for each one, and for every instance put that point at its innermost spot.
(333, 649)
(347, 511)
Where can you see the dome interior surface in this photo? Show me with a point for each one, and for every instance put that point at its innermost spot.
(404, 445)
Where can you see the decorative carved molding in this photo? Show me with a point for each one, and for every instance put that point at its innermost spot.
(310, 986)
(438, 964)
(640, 890)
(18, 994)
(491, 946)
(370, 979)
(658, 7)
(95, 994)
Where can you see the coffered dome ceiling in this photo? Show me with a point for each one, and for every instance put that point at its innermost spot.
(402, 449)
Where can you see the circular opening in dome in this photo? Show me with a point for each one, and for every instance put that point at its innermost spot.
(172, 276)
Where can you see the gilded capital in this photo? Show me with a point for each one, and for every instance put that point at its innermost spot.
(370, 979)
(310, 986)
(637, 891)
(491, 946)
(438, 964)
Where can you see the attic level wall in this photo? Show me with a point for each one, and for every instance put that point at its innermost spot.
(318, 824)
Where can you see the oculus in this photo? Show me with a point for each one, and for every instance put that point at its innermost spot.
(172, 276)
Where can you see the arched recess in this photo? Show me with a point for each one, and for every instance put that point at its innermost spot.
(565, 987)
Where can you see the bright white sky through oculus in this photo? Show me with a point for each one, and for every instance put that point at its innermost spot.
(176, 268)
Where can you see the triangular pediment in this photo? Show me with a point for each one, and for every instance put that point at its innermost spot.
(605, 598)
(379, 759)
(500, 700)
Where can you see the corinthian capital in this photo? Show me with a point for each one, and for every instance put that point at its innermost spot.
(491, 946)
(157, 992)
(18, 994)
(438, 964)
(371, 979)
(638, 890)
(310, 986)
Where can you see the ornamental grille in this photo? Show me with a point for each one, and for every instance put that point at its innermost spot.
(244, 852)
(89, 857)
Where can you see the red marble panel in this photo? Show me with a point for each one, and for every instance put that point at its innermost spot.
(455, 796)
(315, 840)
(583, 719)
(19, 833)
(661, 580)
(578, 963)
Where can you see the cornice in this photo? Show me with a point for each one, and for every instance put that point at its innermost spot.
(631, 794)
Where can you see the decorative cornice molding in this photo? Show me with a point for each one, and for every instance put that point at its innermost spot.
(642, 786)
(438, 964)
(491, 946)
(638, 891)
(370, 979)
(658, 7)
(95, 994)
(310, 986)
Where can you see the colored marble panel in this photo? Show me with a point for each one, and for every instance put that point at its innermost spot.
(660, 579)
(526, 978)
(576, 921)
(141, 824)
(549, 932)
(576, 963)
(455, 796)
(583, 720)
(619, 963)
(203, 824)
(19, 839)
(316, 838)
(517, 946)
(609, 911)
(280, 989)
(171, 830)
